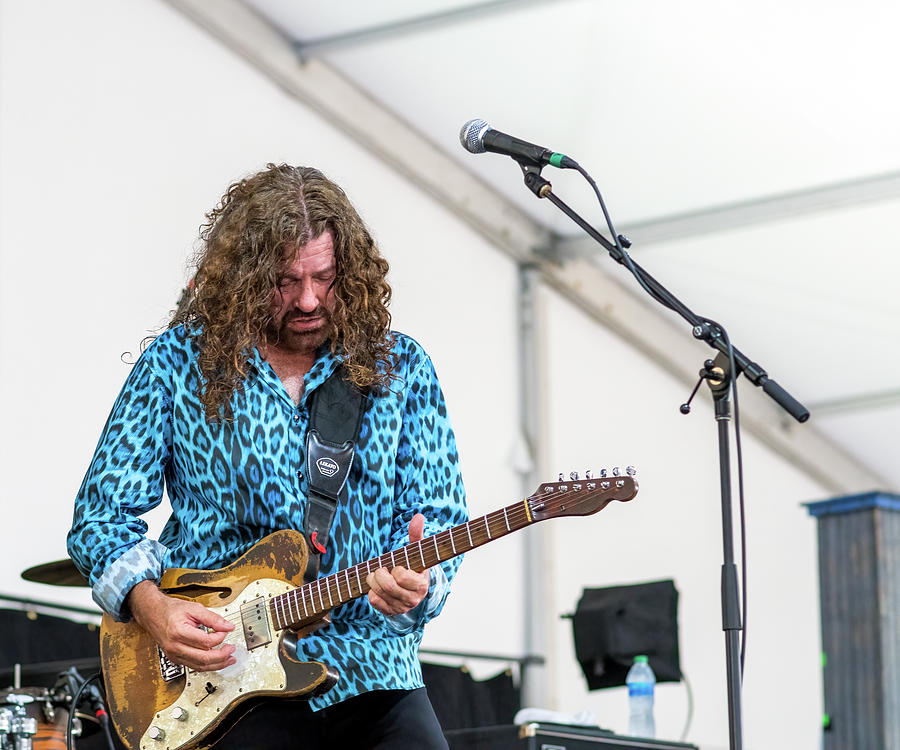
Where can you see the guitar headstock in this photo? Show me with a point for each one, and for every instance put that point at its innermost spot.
(581, 497)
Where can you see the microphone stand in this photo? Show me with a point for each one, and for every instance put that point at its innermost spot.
(720, 375)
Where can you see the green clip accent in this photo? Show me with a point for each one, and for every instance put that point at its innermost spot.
(556, 159)
(824, 660)
(826, 720)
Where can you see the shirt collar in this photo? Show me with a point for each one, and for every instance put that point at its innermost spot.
(326, 363)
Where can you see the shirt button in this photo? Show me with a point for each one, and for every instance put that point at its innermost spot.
(296, 419)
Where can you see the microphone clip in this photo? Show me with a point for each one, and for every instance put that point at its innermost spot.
(534, 181)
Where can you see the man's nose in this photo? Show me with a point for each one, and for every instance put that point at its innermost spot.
(307, 301)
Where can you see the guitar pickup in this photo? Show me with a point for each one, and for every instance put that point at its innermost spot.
(255, 622)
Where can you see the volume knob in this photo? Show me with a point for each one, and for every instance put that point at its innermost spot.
(155, 733)
(179, 713)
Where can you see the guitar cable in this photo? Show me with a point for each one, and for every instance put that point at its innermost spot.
(99, 709)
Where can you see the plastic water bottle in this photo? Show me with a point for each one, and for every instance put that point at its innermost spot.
(641, 682)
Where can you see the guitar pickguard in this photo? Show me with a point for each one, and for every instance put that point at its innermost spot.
(209, 696)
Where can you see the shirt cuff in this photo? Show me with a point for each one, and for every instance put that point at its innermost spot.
(438, 588)
(142, 562)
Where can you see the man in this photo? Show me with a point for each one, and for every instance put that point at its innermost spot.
(289, 287)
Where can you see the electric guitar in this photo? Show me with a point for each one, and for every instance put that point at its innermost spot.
(156, 704)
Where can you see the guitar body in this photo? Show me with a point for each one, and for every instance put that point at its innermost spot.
(151, 697)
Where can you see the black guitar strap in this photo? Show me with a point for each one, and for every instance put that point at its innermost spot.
(335, 416)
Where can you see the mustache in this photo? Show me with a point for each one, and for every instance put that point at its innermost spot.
(319, 312)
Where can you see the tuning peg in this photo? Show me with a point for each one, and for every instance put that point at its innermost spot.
(573, 475)
(588, 474)
(562, 477)
(630, 471)
(602, 472)
(616, 471)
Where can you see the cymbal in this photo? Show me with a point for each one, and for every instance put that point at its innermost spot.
(56, 573)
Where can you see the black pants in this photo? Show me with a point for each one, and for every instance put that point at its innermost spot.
(382, 719)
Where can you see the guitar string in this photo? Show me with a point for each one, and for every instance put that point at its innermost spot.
(315, 588)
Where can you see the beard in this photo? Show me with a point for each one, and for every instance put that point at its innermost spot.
(290, 333)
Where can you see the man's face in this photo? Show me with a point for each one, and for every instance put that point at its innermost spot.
(304, 298)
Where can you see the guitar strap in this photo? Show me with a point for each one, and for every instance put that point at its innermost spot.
(335, 417)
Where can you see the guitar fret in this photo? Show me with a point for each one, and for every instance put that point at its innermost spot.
(347, 581)
(279, 616)
(393, 564)
(358, 582)
(487, 527)
(506, 518)
(321, 600)
(437, 551)
(406, 555)
(328, 589)
(291, 600)
(469, 532)
(452, 543)
(273, 612)
(303, 592)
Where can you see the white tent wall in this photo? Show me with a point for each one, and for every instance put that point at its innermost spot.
(607, 404)
(113, 146)
(121, 124)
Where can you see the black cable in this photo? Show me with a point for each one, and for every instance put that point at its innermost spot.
(100, 713)
(690, 707)
(629, 264)
(626, 258)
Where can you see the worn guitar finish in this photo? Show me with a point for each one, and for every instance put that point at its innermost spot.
(156, 704)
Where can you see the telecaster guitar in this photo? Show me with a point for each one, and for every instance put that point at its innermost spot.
(156, 704)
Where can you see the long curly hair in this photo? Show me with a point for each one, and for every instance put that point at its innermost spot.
(248, 240)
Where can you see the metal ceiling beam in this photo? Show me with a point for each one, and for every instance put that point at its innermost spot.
(763, 210)
(409, 25)
(859, 402)
(400, 146)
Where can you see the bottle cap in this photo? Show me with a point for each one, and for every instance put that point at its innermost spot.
(641, 659)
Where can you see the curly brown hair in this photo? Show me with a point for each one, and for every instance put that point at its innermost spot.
(248, 240)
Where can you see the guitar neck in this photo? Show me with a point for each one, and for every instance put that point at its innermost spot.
(308, 603)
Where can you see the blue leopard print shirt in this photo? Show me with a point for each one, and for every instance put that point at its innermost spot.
(231, 484)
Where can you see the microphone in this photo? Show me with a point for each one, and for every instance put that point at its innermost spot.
(476, 137)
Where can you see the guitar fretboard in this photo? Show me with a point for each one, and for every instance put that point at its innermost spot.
(307, 604)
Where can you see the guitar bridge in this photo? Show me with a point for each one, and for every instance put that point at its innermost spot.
(255, 622)
(168, 668)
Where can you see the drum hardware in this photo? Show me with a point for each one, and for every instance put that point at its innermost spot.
(17, 728)
(35, 718)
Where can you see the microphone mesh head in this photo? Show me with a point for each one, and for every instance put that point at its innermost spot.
(470, 136)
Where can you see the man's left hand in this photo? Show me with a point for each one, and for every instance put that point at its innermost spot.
(396, 591)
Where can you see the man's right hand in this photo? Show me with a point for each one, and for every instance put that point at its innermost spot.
(188, 633)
